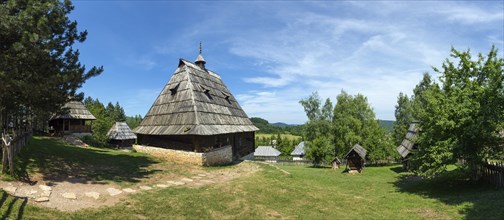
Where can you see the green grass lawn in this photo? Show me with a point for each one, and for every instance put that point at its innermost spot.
(305, 193)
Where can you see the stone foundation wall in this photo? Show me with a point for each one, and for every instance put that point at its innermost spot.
(220, 156)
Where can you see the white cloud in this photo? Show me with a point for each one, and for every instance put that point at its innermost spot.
(326, 53)
(471, 15)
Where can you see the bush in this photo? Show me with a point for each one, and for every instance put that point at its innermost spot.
(91, 141)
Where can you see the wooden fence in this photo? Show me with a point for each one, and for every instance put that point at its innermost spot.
(493, 173)
(11, 146)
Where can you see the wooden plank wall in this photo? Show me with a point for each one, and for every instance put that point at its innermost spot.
(493, 173)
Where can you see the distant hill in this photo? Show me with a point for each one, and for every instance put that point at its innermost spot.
(387, 124)
(283, 125)
(283, 128)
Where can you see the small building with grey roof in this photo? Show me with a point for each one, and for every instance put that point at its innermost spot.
(120, 135)
(356, 158)
(74, 118)
(266, 153)
(299, 151)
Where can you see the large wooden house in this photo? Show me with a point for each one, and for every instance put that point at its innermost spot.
(196, 112)
(356, 158)
(74, 119)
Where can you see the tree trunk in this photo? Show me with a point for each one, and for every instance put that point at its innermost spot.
(473, 168)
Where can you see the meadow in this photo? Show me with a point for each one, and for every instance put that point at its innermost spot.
(292, 192)
(289, 137)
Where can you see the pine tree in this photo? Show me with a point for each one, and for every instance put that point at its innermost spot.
(39, 69)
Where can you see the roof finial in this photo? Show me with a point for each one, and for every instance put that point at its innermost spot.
(200, 61)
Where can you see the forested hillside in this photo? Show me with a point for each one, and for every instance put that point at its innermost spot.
(282, 128)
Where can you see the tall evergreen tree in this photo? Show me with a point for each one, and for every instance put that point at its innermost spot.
(39, 69)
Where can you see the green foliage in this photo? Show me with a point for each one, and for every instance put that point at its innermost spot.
(105, 118)
(327, 110)
(266, 128)
(320, 150)
(311, 106)
(354, 123)
(134, 121)
(387, 124)
(39, 68)
(317, 131)
(461, 117)
(404, 117)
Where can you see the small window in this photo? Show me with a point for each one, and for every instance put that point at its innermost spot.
(174, 89)
(206, 91)
(226, 96)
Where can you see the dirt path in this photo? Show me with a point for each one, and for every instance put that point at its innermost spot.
(75, 194)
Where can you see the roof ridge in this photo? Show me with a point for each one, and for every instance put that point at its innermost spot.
(191, 91)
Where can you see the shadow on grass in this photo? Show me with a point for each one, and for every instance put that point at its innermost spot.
(479, 200)
(398, 169)
(319, 167)
(58, 162)
(12, 207)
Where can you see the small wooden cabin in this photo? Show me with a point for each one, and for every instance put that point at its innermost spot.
(121, 136)
(72, 120)
(196, 112)
(408, 146)
(299, 151)
(266, 153)
(356, 158)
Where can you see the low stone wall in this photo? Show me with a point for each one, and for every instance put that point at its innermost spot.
(220, 156)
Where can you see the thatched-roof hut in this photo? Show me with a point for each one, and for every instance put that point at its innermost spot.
(408, 145)
(356, 158)
(196, 112)
(72, 120)
(120, 135)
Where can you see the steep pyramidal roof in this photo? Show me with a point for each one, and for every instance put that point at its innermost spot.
(74, 110)
(120, 131)
(195, 102)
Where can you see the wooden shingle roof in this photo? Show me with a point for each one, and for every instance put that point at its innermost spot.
(407, 145)
(266, 151)
(359, 150)
(299, 149)
(195, 102)
(121, 131)
(74, 110)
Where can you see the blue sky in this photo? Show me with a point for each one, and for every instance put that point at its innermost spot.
(271, 54)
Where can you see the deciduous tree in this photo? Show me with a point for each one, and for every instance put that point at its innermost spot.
(461, 116)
